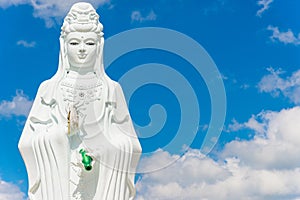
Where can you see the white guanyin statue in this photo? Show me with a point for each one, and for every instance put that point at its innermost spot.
(78, 142)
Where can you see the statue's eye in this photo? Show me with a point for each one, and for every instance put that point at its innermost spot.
(74, 43)
(90, 43)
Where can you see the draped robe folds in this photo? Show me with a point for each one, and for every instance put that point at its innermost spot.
(47, 149)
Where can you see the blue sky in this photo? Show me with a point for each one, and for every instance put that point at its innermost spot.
(255, 46)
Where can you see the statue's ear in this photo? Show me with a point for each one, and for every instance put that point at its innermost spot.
(98, 64)
(63, 47)
(98, 46)
(100, 41)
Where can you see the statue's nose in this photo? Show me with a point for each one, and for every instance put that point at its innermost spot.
(82, 50)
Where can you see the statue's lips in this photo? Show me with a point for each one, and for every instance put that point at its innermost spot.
(82, 56)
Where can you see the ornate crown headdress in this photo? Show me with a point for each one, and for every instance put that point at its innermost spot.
(82, 17)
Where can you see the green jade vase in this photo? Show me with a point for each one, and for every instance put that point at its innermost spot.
(86, 160)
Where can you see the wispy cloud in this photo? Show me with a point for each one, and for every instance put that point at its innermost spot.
(224, 77)
(245, 86)
(287, 37)
(8, 3)
(265, 6)
(266, 167)
(19, 106)
(137, 16)
(50, 10)
(255, 123)
(274, 84)
(26, 44)
(10, 191)
(234, 126)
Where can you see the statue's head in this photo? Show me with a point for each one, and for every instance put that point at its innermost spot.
(82, 38)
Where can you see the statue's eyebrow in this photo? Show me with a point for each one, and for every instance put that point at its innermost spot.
(91, 39)
(76, 39)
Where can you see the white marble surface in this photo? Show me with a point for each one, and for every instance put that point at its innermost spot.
(80, 107)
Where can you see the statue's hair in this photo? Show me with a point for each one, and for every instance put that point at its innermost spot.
(82, 18)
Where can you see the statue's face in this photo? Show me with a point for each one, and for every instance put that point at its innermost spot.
(82, 50)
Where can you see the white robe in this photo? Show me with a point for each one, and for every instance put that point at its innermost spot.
(47, 149)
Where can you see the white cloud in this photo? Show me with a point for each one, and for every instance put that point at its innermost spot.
(26, 44)
(253, 124)
(287, 37)
(10, 191)
(138, 17)
(234, 126)
(8, 3)
(51, 11)
(289, 87)
(265, 6)
(245, 86)
(224, 77)
(19, 106)
(277, 148)
(267, 167)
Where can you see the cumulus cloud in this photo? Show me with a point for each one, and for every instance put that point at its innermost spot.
(137, 16)
(277, 148)
(19, 106)
(274, 84)
(287, 37)
(50, 10)
(266, 167)
(265, 6)
(26, 44)
(174, 181)
(10, 191)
